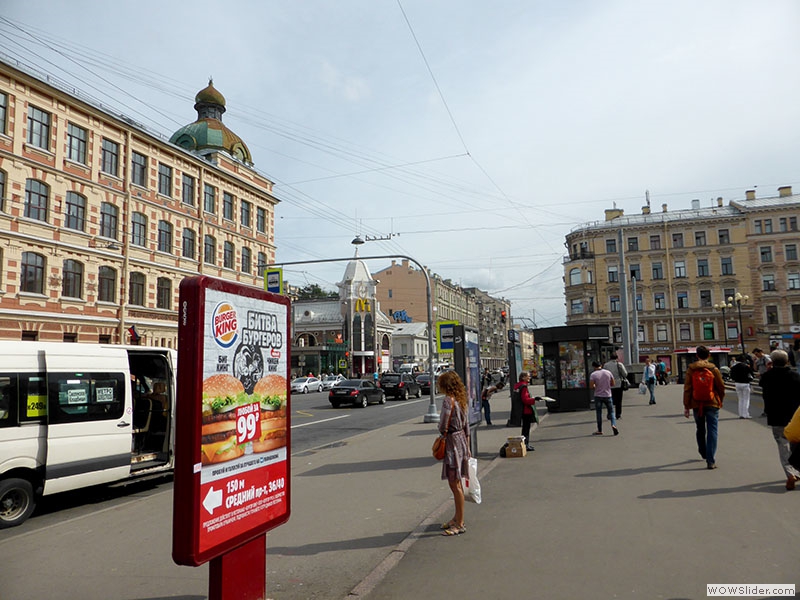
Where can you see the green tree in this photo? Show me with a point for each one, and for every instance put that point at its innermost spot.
(313, 290)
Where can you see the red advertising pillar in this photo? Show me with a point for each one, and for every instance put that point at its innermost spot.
(232, 434)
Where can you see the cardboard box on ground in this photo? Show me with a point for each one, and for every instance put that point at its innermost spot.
(515, 447)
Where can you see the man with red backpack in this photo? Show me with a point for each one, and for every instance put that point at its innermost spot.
(703, 391)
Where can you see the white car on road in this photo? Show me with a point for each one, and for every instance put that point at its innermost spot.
(331, 381)
(306, 384)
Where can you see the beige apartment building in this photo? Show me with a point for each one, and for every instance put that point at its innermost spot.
(687, 264)
(101, 219)
(402, 295)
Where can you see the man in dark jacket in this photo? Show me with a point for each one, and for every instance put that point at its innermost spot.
(706, 410)
(781, 390)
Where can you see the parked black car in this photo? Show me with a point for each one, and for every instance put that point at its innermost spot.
(358, 392)
(400, 385)
(424, 381)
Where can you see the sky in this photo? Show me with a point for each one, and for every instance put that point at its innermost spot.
(471, 136)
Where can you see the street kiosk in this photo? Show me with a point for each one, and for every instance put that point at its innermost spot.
(686, 356)
(567, 363)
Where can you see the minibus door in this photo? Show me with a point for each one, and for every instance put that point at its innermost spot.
(89, 431)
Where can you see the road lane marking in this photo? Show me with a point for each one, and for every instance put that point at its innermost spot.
(405, 403)
(321, 421)
(304, 413)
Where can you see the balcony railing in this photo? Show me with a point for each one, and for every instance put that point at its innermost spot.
(582, 255)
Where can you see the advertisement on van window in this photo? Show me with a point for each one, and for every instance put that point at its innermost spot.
(240, 455)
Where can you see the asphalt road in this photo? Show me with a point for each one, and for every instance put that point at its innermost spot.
(314, 425)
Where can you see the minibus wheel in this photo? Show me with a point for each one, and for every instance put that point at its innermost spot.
(16, 502)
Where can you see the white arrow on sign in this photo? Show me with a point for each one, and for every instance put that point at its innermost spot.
(212, 500)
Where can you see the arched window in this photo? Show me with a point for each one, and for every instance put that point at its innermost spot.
(107, 288)
(188, 243)
(246, 260)
(575, 276)
(138, 229)
(209, 250)
(228, 255)
(72, 279)
(36, 199)
(32, 276)
(164, 237)
(75, 213)
(137, 289)
(164, 293)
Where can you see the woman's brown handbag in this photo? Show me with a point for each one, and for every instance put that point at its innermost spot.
(440, 443)
(438, 447)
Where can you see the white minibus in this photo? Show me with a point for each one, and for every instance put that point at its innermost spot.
(77, 415)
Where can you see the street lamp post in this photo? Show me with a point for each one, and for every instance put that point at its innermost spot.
(738, 299)
(722, 306)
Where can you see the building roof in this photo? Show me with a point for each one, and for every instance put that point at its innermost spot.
(208, 132)
(356, 270)
(411, 329)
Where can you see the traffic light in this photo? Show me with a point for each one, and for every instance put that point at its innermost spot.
(503, 316)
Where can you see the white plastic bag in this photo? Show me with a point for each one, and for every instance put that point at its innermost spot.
(642, 388)
(472, 487)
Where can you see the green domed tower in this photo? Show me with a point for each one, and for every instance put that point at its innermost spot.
(208, 134)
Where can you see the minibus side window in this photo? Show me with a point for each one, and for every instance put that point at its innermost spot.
(77, 397)
(8, 400)
(33, 397)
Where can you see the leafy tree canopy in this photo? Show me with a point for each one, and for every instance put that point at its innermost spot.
(313, 290)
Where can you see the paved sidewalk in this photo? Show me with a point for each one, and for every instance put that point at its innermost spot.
(633, 516)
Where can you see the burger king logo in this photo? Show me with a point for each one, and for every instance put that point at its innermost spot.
(225, 323)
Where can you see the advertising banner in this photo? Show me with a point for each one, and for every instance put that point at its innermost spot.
(232, 424)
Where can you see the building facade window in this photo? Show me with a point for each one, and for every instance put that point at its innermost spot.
(136, 295)
(795, 308)
(261, 220)
(210, 199)
(726, 265)
(636, 272)
(658, 271)
(32, 275)
(36, 199)
(782, 227)
(72, 279)
(757, 226)
(611, 246)
(109, 162)
(766, 254)
(2, 191)
(164, 237)
(724, 236)
(262, 263)
(76, 144)
(247, 261)
(209, 250)
(771, 313)
(792, 223)
(705, 298)
(639, 305)
(38, 128)
(107, 284)
(3, 113)
(767, 225)
(75, 212)
(793, 281)
(614, 303)
(139, 169)
(702, 268)
(228, 255)
(633, 244)
(613, 274)
(575, 276)
(139, 229)
(616, 333)
(683, 300)
(188, 242)
(661, 332)
(576, 307)
(768, 282)
(680, 269)
(660, 301)
(685, 332)
(655, 242)
(246, 212)
(790, 251)
(109, 220)
(227, 206)
(699, 238)
(165, 180)
(677, 240)
(164, 293)
(187, 190)
(708, 331)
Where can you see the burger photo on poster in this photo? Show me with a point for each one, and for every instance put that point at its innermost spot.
(222, 395)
